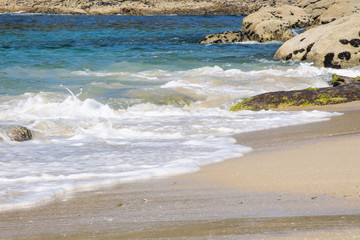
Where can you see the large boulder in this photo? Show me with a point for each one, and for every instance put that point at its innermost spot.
(315, 7)
(271, 30)
(267, 24)
(294, 16)
(275, 23)
(335, 45)
(17, 133)
(341, 8)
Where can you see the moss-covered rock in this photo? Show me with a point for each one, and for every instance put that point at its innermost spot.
(338, 80)
(307, 97)
(163, 97)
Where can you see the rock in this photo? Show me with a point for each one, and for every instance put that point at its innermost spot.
(267, 24)
(271, 30)
(335, 45)
(294, 16)
(139, 7)
(342, 80)
(315, 7)
(225, 37)
(341, 8)
(275, 23)
(17, 133)
(307, 97)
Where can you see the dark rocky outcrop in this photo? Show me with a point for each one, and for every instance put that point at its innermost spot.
(17, 133)
(346, 90)
(225, 37)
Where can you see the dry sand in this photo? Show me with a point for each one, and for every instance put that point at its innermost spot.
(300, 182)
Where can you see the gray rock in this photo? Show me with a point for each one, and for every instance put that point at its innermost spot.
(18, 133)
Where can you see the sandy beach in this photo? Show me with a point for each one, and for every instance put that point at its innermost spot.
(300, 182)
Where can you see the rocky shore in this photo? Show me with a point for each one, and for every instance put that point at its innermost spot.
(331, 36)
(139, 7)
(343, 90)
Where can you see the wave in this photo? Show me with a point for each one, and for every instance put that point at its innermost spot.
(81, 144)
(260, 43)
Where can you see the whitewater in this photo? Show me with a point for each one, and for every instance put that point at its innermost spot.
(113, 99)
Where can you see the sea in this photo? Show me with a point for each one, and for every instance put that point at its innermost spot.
(115, 99)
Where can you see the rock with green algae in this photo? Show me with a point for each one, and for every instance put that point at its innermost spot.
(161, 97)
(338, 80)
(307, 97)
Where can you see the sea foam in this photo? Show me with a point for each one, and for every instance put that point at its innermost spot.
(82, 144)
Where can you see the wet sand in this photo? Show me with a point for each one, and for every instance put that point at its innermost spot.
(300, 182)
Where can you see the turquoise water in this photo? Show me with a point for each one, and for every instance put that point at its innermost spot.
(36, 46)
(118, 98)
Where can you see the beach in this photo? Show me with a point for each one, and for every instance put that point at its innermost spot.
(132, 136)
(300, 182)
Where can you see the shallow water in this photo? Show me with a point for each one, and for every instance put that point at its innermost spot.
(118, 98)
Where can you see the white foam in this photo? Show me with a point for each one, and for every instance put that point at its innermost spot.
(85, 144)
(260, 43)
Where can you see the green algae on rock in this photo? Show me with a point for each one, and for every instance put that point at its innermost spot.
(338, 80)
(301, 98)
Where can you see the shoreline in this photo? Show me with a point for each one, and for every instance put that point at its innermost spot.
(243, 197)
(138, 8)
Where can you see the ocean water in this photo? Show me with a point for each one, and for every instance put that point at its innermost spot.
(112, 99)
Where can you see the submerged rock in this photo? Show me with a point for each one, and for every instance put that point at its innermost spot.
(18, 133)
(307, 97)
(334, 45)
(164, 97)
